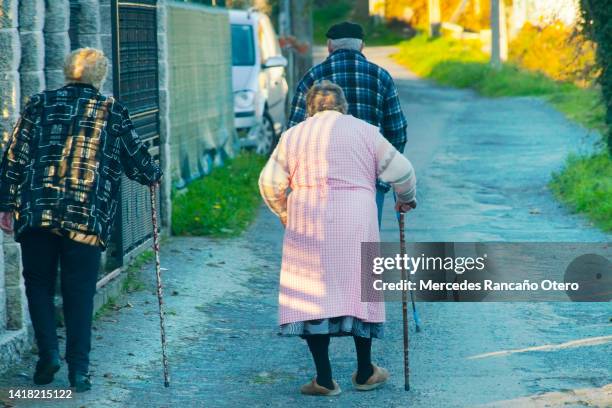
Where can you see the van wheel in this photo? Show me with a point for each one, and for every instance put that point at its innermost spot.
(266, 137)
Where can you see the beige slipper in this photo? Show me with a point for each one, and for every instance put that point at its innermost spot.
(312, 388)
(378, 378)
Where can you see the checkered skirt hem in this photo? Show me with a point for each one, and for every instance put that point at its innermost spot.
(334, 326)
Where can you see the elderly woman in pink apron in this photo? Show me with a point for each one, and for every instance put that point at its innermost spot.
(330, 164)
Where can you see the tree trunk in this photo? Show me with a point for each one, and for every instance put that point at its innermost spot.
(361, 11)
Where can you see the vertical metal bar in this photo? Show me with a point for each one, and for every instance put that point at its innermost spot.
(118, 231)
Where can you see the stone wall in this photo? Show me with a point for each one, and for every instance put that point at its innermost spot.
(106, 40)
(88, 24)
(9, 66)
(14, 326)
(32, 66)
(57, 42)
(15, 333)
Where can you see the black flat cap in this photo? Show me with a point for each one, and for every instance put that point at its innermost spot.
(345, 30)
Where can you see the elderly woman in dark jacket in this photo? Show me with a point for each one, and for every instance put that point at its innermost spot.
(59, 183)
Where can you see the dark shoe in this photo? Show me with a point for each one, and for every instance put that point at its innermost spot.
(46, 369)
(79, 381)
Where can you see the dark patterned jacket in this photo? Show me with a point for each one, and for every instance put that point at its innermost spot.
(62, 164)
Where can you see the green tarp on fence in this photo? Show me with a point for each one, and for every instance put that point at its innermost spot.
(200, 89)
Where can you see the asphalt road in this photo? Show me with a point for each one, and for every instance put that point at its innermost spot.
(483, 166)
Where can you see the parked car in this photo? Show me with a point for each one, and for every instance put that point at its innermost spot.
(259, 84)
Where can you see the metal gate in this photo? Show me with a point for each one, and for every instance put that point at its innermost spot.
(135, 84)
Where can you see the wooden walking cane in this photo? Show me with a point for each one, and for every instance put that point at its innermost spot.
(404, 305)
(160, 295)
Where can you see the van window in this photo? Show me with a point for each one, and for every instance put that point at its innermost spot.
(243, 47)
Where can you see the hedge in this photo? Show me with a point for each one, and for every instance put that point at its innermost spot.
(597, 16)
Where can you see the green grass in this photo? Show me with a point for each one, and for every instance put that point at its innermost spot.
(341, 10)
(110, 305)
(222, 203)
(132, 282)
(585, 184)
(464, 65)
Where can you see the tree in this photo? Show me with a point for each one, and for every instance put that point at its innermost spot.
(597, 16)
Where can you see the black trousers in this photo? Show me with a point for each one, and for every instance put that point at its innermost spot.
(42, 251)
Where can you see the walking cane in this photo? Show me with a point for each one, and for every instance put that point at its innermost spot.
(415, 314)
(160, 295)
(404, 306)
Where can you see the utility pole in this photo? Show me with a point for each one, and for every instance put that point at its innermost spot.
(361, 10)
(284, 25)
(301, 28)
(499, 35)
(433, 8)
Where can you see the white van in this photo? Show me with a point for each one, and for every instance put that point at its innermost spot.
(260, 88)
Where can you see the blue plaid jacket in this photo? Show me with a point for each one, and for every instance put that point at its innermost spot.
(369, 90)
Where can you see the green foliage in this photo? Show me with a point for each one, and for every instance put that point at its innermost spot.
(110, 305)
(132, 282)
(597, 15)
(585, 184)
(416, 13)
(560, 52)
(222, 203)
(329, 12)
(462, 64)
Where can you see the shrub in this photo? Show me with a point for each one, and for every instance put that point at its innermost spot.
(558, 51)
(585, 184)
(471, 18)
(597, 15)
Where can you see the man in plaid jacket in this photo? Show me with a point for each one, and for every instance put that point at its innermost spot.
(59, 183)
(369, 90)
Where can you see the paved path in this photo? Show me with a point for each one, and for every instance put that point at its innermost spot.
(483, 166)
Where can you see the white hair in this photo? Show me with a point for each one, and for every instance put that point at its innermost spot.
(87, 66)
(346, 44)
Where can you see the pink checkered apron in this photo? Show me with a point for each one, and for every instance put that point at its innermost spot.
(331, 159)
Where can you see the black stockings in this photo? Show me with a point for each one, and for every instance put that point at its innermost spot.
(319, 347)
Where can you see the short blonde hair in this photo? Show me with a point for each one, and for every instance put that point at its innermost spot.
(325, 95)
(87, 66)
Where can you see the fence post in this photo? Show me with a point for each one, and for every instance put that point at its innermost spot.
(499, 37)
